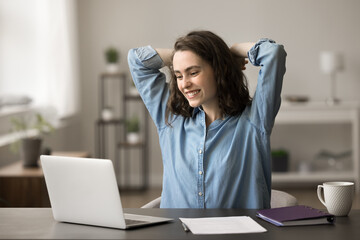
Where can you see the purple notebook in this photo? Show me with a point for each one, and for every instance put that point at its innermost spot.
(295, 216)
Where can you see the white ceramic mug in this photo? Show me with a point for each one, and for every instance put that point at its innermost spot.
(338, 197)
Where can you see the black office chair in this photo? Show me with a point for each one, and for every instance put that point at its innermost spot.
(278, 199)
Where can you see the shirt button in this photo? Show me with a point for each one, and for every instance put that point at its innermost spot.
(200, 172)
(200, 193)
(200, 151)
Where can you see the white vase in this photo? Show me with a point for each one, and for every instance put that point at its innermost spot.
(112, 67)
(133, 137)
(107, 114)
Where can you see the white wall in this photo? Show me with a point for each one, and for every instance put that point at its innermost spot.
(305, 28)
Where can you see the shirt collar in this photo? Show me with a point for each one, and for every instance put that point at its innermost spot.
(196, 110)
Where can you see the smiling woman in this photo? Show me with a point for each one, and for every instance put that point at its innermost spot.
(215, 140)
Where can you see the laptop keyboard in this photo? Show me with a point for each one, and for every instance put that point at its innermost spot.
(133, 222)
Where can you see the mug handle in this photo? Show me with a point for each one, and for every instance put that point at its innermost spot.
(320, 189)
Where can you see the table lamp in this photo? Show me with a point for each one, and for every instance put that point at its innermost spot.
(331, 63)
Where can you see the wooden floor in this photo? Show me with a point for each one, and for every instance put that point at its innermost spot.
(305, 196)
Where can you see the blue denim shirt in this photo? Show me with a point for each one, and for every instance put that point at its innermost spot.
(228, 164)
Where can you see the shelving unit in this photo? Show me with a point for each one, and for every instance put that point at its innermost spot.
(141, 146)
(311, 113)
(111, 134)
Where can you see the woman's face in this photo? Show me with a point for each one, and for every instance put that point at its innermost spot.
(195, 79)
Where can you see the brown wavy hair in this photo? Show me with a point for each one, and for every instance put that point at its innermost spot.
(232, 88)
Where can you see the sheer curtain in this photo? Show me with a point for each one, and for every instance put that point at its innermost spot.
(39, 53)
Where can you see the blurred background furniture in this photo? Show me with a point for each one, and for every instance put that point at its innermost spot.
(331, 63)
(314, 116)
(25, 187)
(116, 105)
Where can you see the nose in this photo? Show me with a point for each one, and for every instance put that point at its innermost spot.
(185, 82)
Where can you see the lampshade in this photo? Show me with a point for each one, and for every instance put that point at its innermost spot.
(330, 62)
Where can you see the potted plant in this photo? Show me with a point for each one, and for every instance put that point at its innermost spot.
(132, 129)
(280, 160)
(31, 130)
(112, 58)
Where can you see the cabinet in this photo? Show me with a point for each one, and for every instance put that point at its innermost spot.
(116, 105)
(25, 187)
(319, 115)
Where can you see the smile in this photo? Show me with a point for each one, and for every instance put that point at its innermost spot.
(192, 93)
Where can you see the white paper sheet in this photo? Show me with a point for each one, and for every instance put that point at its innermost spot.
(223, 225)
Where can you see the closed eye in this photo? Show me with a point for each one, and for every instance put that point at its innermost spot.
(178, 77)
(194, 73)
(190, 71)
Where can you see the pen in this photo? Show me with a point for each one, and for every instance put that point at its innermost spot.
(186, 229)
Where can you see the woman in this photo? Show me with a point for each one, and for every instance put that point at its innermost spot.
(215, 140)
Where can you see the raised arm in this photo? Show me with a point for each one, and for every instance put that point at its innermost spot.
(165, 54)
(145, 64)
(266, 101)
(242, 49)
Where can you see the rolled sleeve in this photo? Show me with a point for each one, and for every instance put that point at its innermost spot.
(253, 53)
(149, 57)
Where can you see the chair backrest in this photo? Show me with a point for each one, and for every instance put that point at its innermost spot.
(278, 199)
(153, 204)
(282, 199)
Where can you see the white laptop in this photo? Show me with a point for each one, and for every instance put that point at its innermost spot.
(85, 191)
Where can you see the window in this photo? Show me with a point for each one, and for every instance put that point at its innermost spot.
(38, 53)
